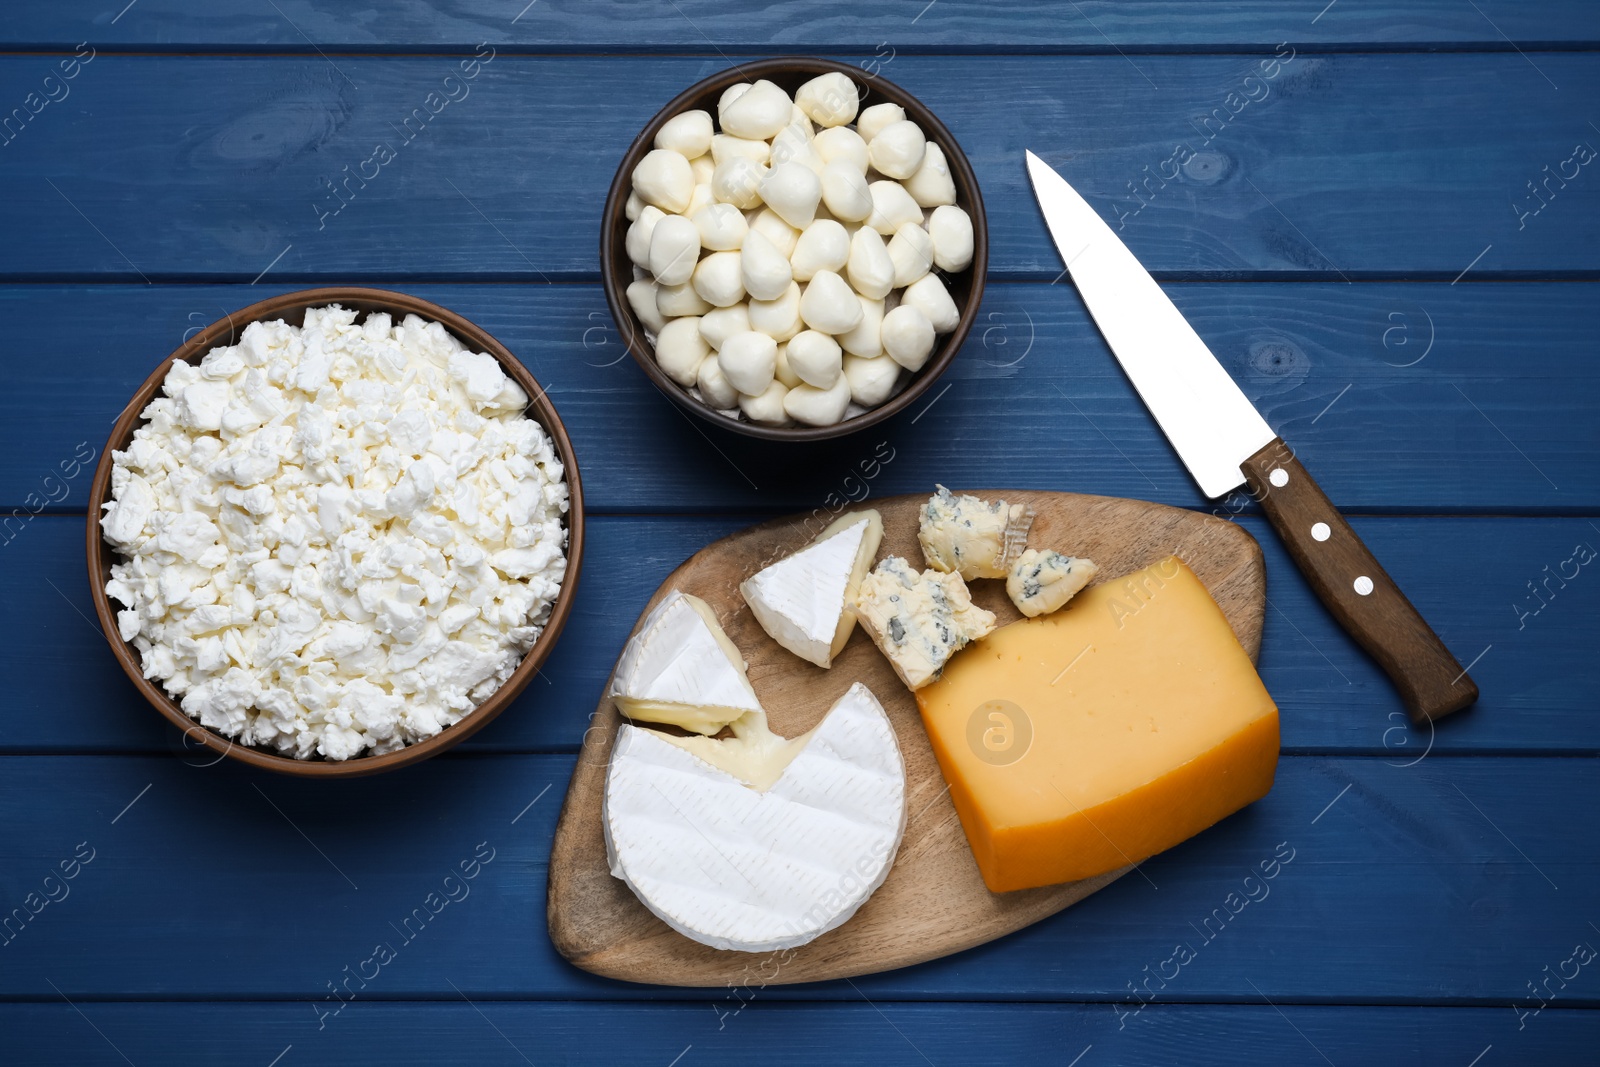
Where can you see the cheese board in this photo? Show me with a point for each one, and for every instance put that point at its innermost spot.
(934, 901)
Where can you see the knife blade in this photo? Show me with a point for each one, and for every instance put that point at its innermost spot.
(1225, 443)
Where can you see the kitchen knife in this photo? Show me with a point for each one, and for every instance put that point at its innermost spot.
(1226, 443)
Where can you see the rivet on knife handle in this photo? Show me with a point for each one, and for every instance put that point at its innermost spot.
(1347, 578)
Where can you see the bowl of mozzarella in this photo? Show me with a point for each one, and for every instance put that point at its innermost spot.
(794, 249)
(335, 533)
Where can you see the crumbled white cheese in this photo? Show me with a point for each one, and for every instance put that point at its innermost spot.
(338, 538)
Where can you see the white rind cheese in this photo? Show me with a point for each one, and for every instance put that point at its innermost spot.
(918, 620)
(752, 870)
(972, 537)
(803, 601)
(1041, 582)
(680, 668)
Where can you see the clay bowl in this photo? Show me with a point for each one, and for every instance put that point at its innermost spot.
(616, 269)
(291, 308)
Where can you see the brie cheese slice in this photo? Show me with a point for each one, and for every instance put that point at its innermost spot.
(680, 668)
(804, 601)
(753, 870)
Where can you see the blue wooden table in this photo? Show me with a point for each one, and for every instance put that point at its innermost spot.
(1393, 242)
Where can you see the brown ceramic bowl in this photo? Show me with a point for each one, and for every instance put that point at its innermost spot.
(790, 72)
(291, 308)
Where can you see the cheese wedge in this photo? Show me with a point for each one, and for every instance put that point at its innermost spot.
(681, 669)
(804, 601)
(749, 869)
(1090, 739)
(972, 537)
(918, 621)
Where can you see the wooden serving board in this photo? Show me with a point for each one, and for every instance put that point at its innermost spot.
(934, 901)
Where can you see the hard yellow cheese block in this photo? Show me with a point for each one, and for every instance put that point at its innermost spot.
(1089, 739)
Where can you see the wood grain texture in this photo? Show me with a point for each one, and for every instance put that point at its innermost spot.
(1401, 396)
(1422, 901)
(1353, 585)
(66, 694)
(934, 901)
(951, 25)
(1431, 905)
(737, 1032)
(1349, 166)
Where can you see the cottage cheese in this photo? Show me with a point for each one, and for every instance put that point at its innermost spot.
(336, 539)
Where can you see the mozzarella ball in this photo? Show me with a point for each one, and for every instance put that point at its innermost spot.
(642, 299)
(951, 230)
(718, 325)
(779, 318)
(675, 300)
(845, 192)
(632, 206)
(811, 406)
(929, 296)
(721, 226)
(766, 409)
(800, 122)
(715, 387)
(758, 113)
(823, 246)
(792, 190)
(637, 241)
(680, 348)
(911, 252)
(719, 280)
(892, 207)
(897, 149)
(829, 304)
(702, 167)
(749, 360)
(869, 269)
(829, 99)
(771, 226)
(872, 379)
(875, 119)
(737, 181)
(701, 197)
(688, 134)
(866, 338)
(907, 337)
(663, 178)
(674, 250)
(842, 145)
(785, 373)
(793, 146)
(725, 147)
(764, 270)
(932, 184)
(816, 358)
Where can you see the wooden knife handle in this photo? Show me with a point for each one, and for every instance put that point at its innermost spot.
(1348, 579)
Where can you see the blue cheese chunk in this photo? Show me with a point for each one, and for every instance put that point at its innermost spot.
(918, 620)
(1040, 582)
(972, 537)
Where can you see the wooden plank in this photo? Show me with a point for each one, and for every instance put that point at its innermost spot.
(1441, 881)
(1469, 577)
(1355, 165)
(933, 901)
(1414, 397)
(698, 25)
(880, 1032)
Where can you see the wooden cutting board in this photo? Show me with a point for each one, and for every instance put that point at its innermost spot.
(934, 901)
